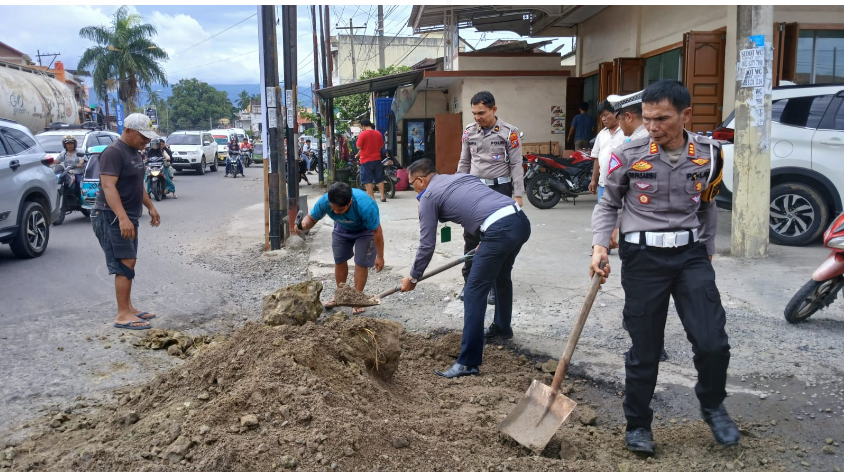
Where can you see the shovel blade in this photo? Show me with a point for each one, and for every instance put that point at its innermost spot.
(348, 296)
(533, 422)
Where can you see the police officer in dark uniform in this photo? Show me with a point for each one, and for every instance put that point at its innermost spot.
(664, 186)
(492, 152)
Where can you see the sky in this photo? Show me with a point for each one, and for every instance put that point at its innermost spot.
(217, 44)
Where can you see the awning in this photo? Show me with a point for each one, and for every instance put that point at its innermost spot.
(524, 20)
(378, 84)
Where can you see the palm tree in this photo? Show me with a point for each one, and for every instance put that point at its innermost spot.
(124, 54)
(243, 99)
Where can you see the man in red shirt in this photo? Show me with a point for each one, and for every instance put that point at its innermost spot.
(369, 144)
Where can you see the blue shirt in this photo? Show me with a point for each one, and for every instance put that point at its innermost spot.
(582, 124)
(362, 215)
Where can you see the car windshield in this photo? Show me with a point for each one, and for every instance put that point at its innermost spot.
(221, 140)
(184, 139)
(92, 170)
(53, 142)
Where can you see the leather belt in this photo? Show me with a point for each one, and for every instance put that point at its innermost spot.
(663, 239)
(497, 181)
(499, 214)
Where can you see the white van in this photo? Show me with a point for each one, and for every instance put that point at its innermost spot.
(222, 137)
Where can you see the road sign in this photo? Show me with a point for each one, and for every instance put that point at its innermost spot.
(119, 108)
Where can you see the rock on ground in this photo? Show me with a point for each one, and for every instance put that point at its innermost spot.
(293, 305)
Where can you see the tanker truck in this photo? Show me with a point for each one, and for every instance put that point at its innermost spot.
(34, 99)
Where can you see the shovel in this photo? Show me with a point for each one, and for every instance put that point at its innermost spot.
(348, 296)
(542, 410)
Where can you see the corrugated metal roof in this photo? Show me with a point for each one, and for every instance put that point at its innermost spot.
(387, 82)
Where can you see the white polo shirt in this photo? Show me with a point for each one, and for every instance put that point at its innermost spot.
(605, 142)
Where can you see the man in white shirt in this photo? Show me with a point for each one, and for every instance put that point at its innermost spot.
(607, 139)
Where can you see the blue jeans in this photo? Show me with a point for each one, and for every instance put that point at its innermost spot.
(492, 264)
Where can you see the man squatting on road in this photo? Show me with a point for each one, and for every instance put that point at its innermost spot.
(664, 188)
(503, 227)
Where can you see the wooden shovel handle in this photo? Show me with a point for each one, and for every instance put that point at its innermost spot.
(432, 273)
(571, 343)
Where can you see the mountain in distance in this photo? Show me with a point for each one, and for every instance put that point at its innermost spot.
(233, 90)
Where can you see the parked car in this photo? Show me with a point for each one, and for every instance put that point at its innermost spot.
(51, 140)
(807, 168)
(29, 192)
(193, 150)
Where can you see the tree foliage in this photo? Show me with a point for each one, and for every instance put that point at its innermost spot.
(354, 107)
(125, 58)
(194, 102)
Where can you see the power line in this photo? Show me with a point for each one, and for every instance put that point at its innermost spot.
(212, 63)
(215, 35)
(411, 51)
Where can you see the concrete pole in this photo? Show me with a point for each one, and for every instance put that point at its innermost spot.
(752, 162)
(381, 60)
(328, 73)
(352, 39)
(289, 39)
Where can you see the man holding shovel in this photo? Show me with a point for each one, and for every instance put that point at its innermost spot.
(503, 227)
(357, 232)
(664, 186)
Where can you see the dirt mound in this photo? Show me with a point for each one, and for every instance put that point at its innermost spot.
(176, 343)
(348, 395)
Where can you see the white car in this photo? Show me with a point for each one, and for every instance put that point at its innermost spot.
(222, 136)
(51, 140)
(807, 161)
(29, 191)
(193, 150)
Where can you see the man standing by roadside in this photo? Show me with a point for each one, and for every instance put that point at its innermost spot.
(117, 210)
(492, 152)
(357, 232)
(607, 139)
(369, 143)
(581, 128)
(665, 186)
(503, 227)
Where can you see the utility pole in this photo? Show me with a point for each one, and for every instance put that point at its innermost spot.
(328, 73)
(316, 101)
(381, 37)
(270, 134)
(752, 165)
(39, 56)
(352, 29)
(288, 34)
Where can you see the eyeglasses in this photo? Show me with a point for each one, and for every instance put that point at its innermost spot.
(417, 178)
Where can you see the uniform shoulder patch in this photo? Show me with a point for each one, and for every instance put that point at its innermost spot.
(465, 134)
(691, 149)
(514, 140)
(654, 148)
(641, 166)
(696, 198)
(614, 164)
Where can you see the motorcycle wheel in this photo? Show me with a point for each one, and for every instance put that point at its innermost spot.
(85, 213)
(540, 193)
(813, 296)
(389, 188)
(156, 192)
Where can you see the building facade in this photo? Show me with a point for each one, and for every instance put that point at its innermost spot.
(398, 51)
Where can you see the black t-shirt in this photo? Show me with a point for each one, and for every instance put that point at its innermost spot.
(127, 164)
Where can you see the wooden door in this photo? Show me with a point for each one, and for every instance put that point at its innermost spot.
(631, 75)
(574, 98)
(605, 81)
(448, 144)
(703, 74)
(788, 52)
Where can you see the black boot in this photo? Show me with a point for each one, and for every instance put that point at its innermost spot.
(640, 440)
(724, 429)
(460, 297)
(494, 331)
(663, 356)
(458, 370)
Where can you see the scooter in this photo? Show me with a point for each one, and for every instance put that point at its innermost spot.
(828, 279)
(234, 164)
(70, 199)
(246, 155)
(158, 183)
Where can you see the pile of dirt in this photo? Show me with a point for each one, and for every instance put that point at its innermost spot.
(175, 342)
(348, 395)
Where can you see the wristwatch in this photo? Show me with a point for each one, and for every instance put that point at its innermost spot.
(414, 281)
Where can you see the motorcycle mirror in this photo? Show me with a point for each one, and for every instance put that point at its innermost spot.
(80, 154)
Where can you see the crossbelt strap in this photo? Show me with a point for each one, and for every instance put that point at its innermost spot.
(499, 214)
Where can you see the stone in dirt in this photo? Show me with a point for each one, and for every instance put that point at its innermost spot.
(568, 451)
(249, 421)
(129, 417)
(400, 442)
(178, 450)
(586, 415)
(338, 317)
(293, 305)
(175, 342)
(550, 366)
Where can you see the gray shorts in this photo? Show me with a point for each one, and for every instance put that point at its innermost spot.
(360, 244)
(115, 246)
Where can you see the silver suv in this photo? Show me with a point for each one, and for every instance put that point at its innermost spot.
(29, 191)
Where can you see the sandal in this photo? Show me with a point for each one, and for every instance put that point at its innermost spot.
(145, 315)
(128, 325)
(358, 311)
(331, 304)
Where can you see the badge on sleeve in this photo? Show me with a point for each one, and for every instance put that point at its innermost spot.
(696, 198)
(700, 161)
(615, 163)
(642, 186)
(496, 129)
(691, 150)
(496, 156)
(465, 134)
(699, 186)
(514, 140)
(644, 199)
(654, 148)
(641, 166)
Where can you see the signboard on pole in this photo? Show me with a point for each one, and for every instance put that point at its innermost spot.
(152, 113)
(119, 109)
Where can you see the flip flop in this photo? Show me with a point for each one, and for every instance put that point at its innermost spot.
(145, 318)
(129, 325)
(358, 311)
(330, 305)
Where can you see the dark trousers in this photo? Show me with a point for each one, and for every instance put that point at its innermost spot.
(494, 261)
(471, 241)
(649, 277)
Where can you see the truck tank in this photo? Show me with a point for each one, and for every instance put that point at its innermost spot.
(34, 99)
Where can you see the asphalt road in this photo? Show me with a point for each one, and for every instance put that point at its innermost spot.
(57, 340)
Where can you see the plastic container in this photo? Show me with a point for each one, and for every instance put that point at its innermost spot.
(403, 183)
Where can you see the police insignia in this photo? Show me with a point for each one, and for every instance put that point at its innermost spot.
(700, 161)
(514, 140)
(642, 186)
(496, 156)
(696, 198)
(641, 166)
(615, 163)
(691, 150)
(465, 135)
(496, 129)
(699, 186)
(654, 148)
(644, 199)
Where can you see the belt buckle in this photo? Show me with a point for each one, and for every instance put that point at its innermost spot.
(669, 239)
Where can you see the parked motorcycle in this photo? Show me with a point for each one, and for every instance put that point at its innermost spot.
(158, 183)
(70, 199)
(549, 178)
(390, 178)
(234, 164)
(828, 279)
